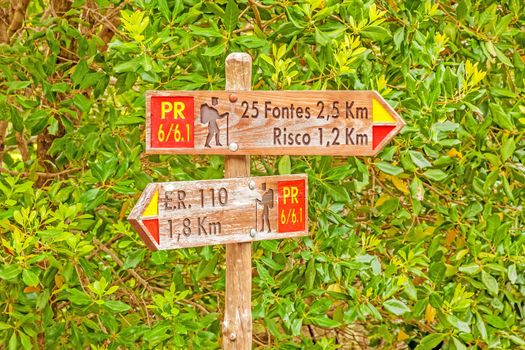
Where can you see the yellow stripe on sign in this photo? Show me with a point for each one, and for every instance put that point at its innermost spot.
(153, 207)
(380, 114)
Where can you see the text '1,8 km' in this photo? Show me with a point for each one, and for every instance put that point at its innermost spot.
(356, 123)
(173, 215)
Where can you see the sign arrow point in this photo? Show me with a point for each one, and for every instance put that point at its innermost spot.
(144, 216)
(380, 113)
(386, 122)
(153, 227)
(379, 133)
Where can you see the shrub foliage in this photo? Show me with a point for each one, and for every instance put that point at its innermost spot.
(421, 246)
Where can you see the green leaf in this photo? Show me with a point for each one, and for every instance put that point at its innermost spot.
(509, 146)
(431, 341)
(206, 268)
(134, 258)
(16, 85)
(13, 342)
(127, 66)
(460, 325)
(470, 269)
(78, 297)
(495, 321)
(215, 50)
(321, 38)
(458, 344)
(517, 340)
(25, 340)
(473, 210)
(164, 8)
(231, 16)
(389, 168)
(502, 118)
(10, 272)
(376, 33)
(117, 306)
(490, 282)
(159, 257)
(285, 165)
(437, 272)
(396, 307)
(324, 322)
(30, 278)
(419, 159)
(435, 174)
(512, 273)
(80, 72)
(501, 56)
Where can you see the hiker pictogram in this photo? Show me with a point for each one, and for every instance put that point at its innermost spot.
(267, 204)
(210, 115)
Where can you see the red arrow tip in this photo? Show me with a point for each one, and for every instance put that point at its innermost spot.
(153, 228)
(379, 132)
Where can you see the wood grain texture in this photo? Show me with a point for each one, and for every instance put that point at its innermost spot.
(224, 211)
(237, 323)
(278, 122)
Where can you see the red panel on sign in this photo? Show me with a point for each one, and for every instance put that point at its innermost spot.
(153, 228)
(172, 122)
(291, 206)
(379, 132)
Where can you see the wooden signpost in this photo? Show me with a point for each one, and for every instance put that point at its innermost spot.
(240, 209)
(184, 214)
(346, 123)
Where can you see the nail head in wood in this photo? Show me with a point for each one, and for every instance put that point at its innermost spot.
(233, 147)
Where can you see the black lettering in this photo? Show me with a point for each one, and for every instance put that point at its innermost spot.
(246, 105)
(290, 139)
(276, 134)
(181, 195)
(361, 112)
(307, 111)
(274, 114)
(320, 115)
(298, 139)
(336, 132)
(267, 109)
(349, 140)
(170, 222)
(170, 199)
(361, 139)
(186, 229)
(202, 229)
(306, 139)
(223, 196)
(215, 228)
(299, 112)
(285, 113)
(349, 113)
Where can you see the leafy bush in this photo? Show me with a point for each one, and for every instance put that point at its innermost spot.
(422, 245)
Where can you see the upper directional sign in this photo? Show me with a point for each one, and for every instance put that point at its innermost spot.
(358, 123)
(182, 214)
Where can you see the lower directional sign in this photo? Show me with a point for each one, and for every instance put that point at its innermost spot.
(184, 214)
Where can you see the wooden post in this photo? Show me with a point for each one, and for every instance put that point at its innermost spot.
(237, 324)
